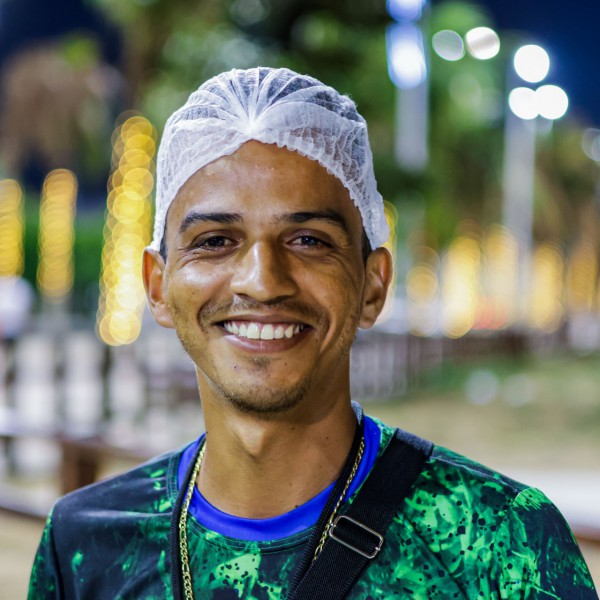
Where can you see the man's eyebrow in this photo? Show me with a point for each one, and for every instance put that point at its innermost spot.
(224, 218)
(324, 215)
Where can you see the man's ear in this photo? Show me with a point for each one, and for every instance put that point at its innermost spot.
(378, 275)
(153, 268)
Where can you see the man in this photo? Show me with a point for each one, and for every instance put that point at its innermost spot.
(266, 259)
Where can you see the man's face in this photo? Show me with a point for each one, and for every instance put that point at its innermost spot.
(264, 280)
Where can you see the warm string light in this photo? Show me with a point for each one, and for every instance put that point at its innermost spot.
(126, 232)
(56, 235)
(11, 229)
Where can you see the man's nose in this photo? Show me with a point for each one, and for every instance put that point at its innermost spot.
(263, 273)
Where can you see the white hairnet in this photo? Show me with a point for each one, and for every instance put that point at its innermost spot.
(273, 106)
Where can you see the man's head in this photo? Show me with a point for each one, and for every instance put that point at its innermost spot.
(264, 277)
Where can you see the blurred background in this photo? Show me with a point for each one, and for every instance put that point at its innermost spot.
(484, 119)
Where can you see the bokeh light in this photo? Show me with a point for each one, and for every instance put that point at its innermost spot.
(531, 63)
(552, 101)
(483, 43)
(405, 10)
(406, 58)
(590, 143)
(448, 45)
(56, 235)
(422, 291)
(460, 288)
(523, 103)
(126, 231)
(11, 228)
(500, 279)
(545, 310)
(582, 275)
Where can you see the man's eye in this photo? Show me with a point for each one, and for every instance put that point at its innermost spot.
(310, 241)
(215, 241)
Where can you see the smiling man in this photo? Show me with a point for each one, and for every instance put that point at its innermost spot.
(266, 259)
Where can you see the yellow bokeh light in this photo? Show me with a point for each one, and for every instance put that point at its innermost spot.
(500, 279)
(56, 235)
(127, 231)
(11, 228)
(422, 291)
(545, 297)
(582, 275)
(461, 286)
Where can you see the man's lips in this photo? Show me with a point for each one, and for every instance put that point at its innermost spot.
(261, 330)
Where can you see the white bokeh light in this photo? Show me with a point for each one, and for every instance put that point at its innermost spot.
(532, 63)
(523, 103)
(552, 101)
(405, 10)
(590, 142)
(406, 58)
(483, 43)
(448, 45)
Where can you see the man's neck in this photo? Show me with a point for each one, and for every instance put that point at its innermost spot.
(260, 468)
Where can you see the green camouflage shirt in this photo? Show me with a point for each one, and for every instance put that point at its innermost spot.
(464, 531)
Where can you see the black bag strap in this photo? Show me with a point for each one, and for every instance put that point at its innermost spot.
(356, 536)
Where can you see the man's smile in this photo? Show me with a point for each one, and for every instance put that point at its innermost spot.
(257, 330)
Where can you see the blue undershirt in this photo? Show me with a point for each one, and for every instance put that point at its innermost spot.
(295, 521)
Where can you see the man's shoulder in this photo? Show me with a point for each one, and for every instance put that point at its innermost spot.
(458, 472)
(448, 472)
(471, 531)
(456, 490)
(145, 488)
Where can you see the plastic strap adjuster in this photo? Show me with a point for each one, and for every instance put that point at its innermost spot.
(378, 538)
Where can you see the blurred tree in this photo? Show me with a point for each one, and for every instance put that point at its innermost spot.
(57, 101)
(173, 45)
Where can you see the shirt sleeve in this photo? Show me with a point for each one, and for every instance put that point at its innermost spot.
(44, 583)
(536, 555)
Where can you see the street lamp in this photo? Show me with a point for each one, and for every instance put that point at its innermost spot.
(532, 64)
(483, 43)
(407, 66)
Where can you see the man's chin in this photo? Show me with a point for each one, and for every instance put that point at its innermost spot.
(264, 401)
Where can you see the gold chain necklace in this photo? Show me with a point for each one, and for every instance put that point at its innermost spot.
(183, 543)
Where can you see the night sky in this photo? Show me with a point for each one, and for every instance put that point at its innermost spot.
(570, 32)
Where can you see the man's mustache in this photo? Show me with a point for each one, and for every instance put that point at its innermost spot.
(221, 311)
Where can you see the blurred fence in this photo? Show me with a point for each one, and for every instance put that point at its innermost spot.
(67, 401)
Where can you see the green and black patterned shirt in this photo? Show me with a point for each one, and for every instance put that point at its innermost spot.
(463, 532)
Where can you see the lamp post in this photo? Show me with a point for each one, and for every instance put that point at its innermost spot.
(407, 66)
(525, 107)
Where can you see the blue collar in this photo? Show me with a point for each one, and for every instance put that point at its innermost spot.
(300, 519)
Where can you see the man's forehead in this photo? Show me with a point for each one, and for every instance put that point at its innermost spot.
(283, 184)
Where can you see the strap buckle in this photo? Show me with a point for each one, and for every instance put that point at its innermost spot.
(366, 553)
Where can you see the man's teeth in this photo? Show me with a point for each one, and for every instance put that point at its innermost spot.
(263, 331)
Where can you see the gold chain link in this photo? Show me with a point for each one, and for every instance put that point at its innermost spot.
(183, 543)
(327, 527)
